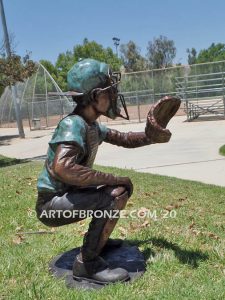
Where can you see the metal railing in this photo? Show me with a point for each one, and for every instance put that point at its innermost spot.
(203, 94)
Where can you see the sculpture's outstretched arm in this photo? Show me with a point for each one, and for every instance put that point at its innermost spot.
(127, 139)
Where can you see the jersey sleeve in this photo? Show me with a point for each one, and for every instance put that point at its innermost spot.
(102, 132)
(71, 129)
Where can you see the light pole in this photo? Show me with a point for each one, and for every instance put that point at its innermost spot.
(13, 88)
(116, 43)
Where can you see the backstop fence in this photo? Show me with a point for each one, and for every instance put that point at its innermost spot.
(201, 88)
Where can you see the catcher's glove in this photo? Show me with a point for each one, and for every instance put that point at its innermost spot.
(158, 118)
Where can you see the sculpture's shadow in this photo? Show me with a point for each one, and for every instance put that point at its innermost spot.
(185, 256)
(128, 256)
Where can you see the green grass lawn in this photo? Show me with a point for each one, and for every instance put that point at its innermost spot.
(184, 252)
(222, 150)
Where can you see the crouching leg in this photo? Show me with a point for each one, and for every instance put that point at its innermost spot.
(88, 264)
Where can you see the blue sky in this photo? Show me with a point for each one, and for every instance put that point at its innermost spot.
(50, 27)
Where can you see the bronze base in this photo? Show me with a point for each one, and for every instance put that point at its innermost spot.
(127, 257)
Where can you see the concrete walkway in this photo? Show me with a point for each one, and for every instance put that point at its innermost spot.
(191, 154)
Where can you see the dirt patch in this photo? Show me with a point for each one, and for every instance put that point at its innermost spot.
(136, 114)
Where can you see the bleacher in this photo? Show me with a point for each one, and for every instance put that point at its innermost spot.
(203, 94)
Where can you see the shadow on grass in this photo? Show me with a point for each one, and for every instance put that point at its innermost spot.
(39, 157)
(189, 257)
(7, 161)
(6, 139)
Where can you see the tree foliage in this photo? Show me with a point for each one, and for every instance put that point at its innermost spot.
(89, 49)
(14, 69)
(49, 67)
(192, 56)
(131, 57)
(161, 52)
(97, 51)
(215, 52)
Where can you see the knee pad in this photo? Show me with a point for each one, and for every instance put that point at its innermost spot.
(114, 191)
(119, 195)
(115, 196)
(121, 200)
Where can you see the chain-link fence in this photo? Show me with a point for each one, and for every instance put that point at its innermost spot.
(38, 108)
(201, 88)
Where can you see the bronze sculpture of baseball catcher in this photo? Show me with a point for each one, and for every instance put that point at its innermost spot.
(68, 182)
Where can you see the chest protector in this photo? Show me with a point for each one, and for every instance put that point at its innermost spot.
(92, 142)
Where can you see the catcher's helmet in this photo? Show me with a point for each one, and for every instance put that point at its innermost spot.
(88, 77)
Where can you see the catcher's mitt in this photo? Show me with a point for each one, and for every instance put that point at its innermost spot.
(158, 118)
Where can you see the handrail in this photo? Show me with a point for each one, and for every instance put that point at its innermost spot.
(201, 75)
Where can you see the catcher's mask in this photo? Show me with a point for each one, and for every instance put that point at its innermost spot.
(89, 77)
(117, 100)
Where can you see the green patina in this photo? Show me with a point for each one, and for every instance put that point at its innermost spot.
(86, 75)
(72, 128)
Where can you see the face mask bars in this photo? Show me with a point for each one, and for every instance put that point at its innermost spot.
(122, 100)
(113, 91)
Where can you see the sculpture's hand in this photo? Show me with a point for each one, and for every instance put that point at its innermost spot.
(158, 118)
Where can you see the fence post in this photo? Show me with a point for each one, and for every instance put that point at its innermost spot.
(28, 114)
(153, 88)
(223, 95)
(138, 107)
(62, 110)
(46, 99)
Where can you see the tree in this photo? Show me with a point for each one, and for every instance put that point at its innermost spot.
(49, 67)
(97, 51)
(89, 49)
(63, 64)
(161, 52)
(131, 57)
(192, 56)
(215, 52)
(14, 69)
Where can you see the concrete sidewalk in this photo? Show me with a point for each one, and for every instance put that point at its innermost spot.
(191, 154)
(33, 146)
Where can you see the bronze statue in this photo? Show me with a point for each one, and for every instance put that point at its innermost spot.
(68, 182)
